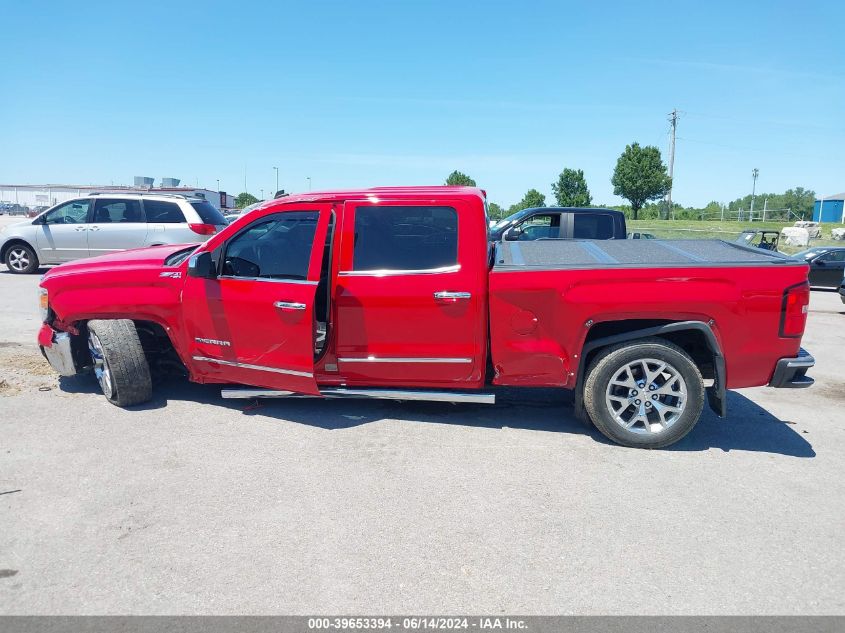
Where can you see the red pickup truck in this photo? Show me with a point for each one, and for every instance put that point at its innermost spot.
(399, 293)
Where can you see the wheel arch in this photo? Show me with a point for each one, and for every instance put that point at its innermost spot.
(696, 338)
(14, 241)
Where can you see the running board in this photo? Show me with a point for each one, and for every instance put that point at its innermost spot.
(377, 394)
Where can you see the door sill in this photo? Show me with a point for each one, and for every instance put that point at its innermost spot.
(376, 394)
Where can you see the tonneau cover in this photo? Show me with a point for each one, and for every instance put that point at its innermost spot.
(567, 254)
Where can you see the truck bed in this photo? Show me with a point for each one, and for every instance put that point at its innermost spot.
(591, 254)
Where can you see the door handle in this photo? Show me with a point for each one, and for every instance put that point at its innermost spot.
(445, 295)
(289, 305)
(81, 228)
(94, 228)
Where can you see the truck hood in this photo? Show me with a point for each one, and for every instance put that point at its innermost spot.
(137, 258)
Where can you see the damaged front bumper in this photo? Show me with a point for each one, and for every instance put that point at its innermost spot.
(56, 347)
(791, 373)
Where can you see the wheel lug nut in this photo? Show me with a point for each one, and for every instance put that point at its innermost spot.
(636, 401)
(634, 392)
(652, 387)
(648, 405)
(654, 397)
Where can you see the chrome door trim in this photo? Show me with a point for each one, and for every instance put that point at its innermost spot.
(275, 370)
(382, 359)
(386, 272)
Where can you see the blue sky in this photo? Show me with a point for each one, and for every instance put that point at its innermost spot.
(360, 93)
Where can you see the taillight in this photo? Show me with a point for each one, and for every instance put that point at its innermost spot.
(793, 316)
(203, 229)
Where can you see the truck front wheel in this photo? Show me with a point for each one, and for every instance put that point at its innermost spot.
(119, 362)
(645, 394)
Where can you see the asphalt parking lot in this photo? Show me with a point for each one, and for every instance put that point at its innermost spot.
(195, 504)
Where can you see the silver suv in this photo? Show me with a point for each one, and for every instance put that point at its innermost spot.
(104, 223)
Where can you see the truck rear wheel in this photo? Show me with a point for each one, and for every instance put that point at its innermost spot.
(119, 362)
(645, 394)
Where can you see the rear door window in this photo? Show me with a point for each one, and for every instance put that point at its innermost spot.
(159, 211)
(592, 226)
(405, 238)
(109, 211)
(209, 214)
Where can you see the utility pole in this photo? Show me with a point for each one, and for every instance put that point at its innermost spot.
(754, 173)
(277, 179)
(673, 121)
(309, 182)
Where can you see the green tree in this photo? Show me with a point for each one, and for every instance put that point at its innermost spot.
(460, 178)
(571, 189)
(640, 176)
(494, 211)
(244, 200)
(531, 199)
(800, 201)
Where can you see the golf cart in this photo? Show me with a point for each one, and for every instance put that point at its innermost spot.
(767, 240)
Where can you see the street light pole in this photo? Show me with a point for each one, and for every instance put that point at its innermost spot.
(218, 185)
(277, 178)
(754, 173)
(309, 182)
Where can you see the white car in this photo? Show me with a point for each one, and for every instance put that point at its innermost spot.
(104, 223)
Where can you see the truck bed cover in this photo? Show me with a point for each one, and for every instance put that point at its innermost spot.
(580, 254)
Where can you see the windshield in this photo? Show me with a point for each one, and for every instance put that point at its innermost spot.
(505, 222)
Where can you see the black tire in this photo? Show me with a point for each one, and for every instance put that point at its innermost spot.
(124, 374)
(618, 358)
(21, 259)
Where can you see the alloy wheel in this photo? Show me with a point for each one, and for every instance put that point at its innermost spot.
(18, 259)
(101, 365)
(646, 396)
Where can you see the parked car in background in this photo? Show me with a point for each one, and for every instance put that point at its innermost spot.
(544, 223)
(637, 235)
(842, 289)
(35, 211)
(827, 265)
(17, 209)
(99, 224)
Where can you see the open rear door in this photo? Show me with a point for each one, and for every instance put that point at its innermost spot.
(254, 324)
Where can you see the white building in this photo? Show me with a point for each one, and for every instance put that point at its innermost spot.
(47, 195)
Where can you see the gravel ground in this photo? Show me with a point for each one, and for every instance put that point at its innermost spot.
(194, 504)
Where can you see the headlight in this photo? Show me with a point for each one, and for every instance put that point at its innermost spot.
(43, 303)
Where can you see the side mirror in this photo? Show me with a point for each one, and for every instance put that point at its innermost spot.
(512, 235)
(201, 265)
(41, 219)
